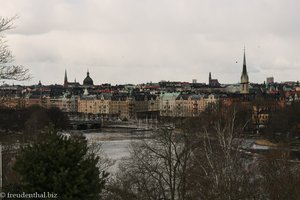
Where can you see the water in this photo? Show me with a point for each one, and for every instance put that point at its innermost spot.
(116, 149)
(114, 144)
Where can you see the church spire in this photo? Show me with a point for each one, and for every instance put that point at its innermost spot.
(66, 79)
(244, 78)
(244, 63)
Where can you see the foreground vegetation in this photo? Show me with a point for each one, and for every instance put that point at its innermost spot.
(61, 165)
(206, 163)
(200, 158)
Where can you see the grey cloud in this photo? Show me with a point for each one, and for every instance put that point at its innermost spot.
(151, 40)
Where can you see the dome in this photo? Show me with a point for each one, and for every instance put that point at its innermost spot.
(88, 80)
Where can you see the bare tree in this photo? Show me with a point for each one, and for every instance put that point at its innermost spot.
(157, 168)
(8, 71)
(220, 170)
(280, 176)
(205, 165)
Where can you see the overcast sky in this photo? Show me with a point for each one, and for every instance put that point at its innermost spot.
(136, 41)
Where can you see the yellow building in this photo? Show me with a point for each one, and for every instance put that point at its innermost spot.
(167, 104)
(196, 105)
(181, 106)
(87, 105)
(64, 104)
(153, 104)
(31, 101)
(260, 115)
(13, 103)
(122, 106)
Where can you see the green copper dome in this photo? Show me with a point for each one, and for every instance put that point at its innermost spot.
(88, 80)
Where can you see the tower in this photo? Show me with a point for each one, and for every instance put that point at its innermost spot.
(244, 87)
(88, 81)
(66, 79)
(213, 82)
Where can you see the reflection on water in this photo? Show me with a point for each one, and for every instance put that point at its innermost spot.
(116, 149)
(115, 145)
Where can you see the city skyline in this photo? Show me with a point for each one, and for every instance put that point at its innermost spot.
(138, 42)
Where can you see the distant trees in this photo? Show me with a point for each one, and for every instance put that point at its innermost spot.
(279, 177)
(285, 123)
(32, 119)
(40, 117)
(8, 71)
(62, 165)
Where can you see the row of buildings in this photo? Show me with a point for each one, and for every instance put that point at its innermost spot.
(172, 99)
(123, 105)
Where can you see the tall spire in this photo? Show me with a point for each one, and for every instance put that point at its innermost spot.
(244, 77)
(88, 73)
(244, 63)
(66, 79)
